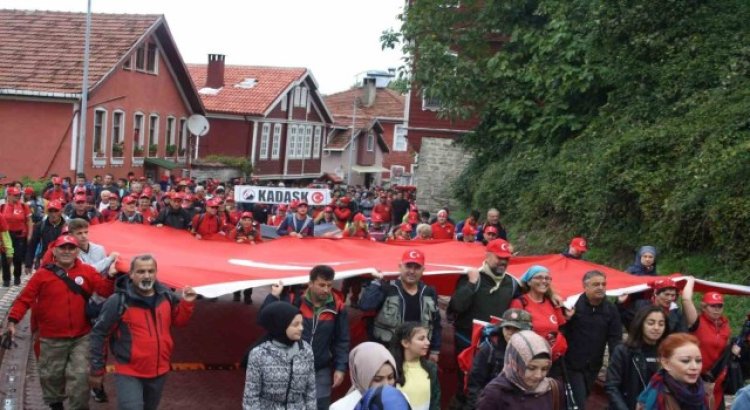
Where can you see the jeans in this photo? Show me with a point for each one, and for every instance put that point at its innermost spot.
(137, 393)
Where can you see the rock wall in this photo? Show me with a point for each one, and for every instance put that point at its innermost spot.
(219, 172)
(440, 163)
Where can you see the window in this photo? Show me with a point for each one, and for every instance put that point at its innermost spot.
(275, 146)
(151, 58)
(291, 141)
(153, 134)
(308, 140)
(297, 96)
(100, 125)
(169, 136)
(181, 141)
(140, 58)
(430, 103)
(397, 171)
(138, 134)
(316, 144)
(370, 141)
(298, 147)
(283, 102)
(265, 135)
(118, 127)
(127, 64)
(399, 138)
(303, 97)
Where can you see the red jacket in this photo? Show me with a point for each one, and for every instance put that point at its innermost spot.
(140, 336)
(58, 311)
(206, 224)
(246, 237)
(443, 232)
(342, 215)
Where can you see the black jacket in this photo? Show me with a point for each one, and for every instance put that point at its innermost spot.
(44, 233)
(589, 330)
(488, 363)
(179, 218)
(628, 374)
(471, 302)
(676, 321)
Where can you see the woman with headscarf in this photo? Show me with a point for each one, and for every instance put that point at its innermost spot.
(678, 385)
(645, 262)
(546, 316)
(383, 398)
(280, 369)
(523, 383)
(370, 365)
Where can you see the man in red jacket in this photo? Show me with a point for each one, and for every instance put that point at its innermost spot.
(59, 312)
(138, 320)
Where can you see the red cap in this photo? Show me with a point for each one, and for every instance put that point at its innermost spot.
(128, 200)
(246, 215)
(713, 298)
(230, 199)
(346, 200)
(79, 198)
(328, 209)
(79, 189)
(662, 284)
(360, 218)
(405, 227)
(413, 217)
(376, 217)
(213, 202)
(490, 228)
(147, 191)
(145, 195)
(500, 247)
(579, 244)
(28, 191)
(57, 181)
(283, 207)
(13, 191)
(186, 197)
(413, 256)
(64, 240)
(468, 230)
(114, 196)
(294, 203)
(54, 205)
(302, 202)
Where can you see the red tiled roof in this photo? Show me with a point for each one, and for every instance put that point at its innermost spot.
(42, 51)
(270, 83)
(339, 139)
(387, 104)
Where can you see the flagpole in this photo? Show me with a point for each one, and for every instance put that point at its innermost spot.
(84, 94)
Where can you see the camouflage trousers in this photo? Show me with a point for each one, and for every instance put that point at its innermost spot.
(64, 371)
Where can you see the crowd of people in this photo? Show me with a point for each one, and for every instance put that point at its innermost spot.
(534, 351)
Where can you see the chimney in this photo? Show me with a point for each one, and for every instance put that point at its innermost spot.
(215, 74)
(369, 90)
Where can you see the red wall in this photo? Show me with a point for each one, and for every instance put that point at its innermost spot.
(403, 158)
(31, 132)
(419, 118)
(270, 166)
(365, 157)
(227, 137)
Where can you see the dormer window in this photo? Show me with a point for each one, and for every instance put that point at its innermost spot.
(247, 83)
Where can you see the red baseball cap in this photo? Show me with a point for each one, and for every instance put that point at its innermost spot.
(128, 200)
(579, 244)
(328, 209)
(64, 240)
(713, 298)
(405, 227)
(13, 191)
(360, 218)
(413, 256)
(79, 189)
(662, 284)
(28, 191)
(79, 198)
(57, 181)
(500, 247)
(213, 202)
(294, 203)
(54, 205)
(468, 230)
(376, 217)
(114, 196)
(246, 215)
(145, 195)
(490, 228)
(283, 207)
(413, 217)
(302, 202)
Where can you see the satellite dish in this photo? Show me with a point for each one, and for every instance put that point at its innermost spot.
(198, 125)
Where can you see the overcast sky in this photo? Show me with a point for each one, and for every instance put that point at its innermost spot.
(336, 39)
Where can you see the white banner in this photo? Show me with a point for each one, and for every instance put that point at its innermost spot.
(274, 195)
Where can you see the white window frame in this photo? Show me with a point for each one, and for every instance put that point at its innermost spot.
(299, 146)
(284, 101)
(297, 96)
(291, 141)
(153, 131)
(139, 125)
(316, 142)
(308, 141)
(265, 136)
(400, 143)
(403, 171)
(303, 97)
(149, 47)
(128, 63)
(118, 130)
(276, 144)
(371, 141)
(140, 52)
(102, 128)
(169, 131)
(183, 137)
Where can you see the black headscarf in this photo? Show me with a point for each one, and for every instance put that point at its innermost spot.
(276, 318)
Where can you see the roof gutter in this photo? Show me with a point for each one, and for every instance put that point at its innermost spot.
(46, 94)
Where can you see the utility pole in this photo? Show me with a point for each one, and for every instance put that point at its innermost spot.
(84, 94)
(351, 141)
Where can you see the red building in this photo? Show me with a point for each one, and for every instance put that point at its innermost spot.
(377, 104)
(139, 95)
(273, 115)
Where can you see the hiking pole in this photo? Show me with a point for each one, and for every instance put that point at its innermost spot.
(569, 398)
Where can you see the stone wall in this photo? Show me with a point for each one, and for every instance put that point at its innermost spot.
(440, 162)
(216, 171)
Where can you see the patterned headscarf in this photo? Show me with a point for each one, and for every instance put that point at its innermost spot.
(522, 347)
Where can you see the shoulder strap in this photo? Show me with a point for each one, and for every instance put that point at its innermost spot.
(74, 287)
(200, 221)
(555, 395)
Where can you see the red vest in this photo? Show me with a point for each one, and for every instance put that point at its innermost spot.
(713, 339)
